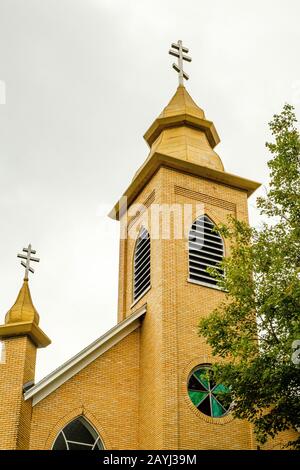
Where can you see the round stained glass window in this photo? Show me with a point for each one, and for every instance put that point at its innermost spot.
(210, 398)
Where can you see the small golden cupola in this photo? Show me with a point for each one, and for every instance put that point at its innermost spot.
(23, 309)
(23, 319)
(182, 131)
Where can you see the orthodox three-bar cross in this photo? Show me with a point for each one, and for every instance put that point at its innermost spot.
(28, 258)
(179, 51)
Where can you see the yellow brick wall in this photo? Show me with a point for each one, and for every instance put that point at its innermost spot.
(192, 302)
(16, 369)
(150, 372)
(170, 346)
(106, 392)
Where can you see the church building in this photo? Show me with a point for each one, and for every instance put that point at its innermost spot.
(143, 384)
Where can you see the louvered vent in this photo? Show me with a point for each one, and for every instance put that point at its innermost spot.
(205, 250)
(141, 264)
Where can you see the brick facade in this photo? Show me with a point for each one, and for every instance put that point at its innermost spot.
(16, 368)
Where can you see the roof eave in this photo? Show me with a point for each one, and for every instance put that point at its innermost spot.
(157, 160)
(179, 120)
(26, 328)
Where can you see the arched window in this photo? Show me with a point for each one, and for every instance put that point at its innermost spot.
(79, 434)
(141, 274)
(205, 250)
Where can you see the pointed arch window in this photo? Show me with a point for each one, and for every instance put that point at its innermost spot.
(79, 434)
(141, 270)
(206, 249)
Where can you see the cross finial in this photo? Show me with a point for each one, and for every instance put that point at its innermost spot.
(178, 50)
(28, 258)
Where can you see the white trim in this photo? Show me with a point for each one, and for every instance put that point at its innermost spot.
(205, 284)
(201, 233)
(2, 353)
(196, 255)
(139, 297)
(60, 375)
(206, 246)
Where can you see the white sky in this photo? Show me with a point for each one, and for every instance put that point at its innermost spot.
(83, 80)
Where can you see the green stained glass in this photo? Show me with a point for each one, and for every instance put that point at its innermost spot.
(220, 388)
(204, 406)
(197, 397)
(224, 400)
(202, 376)
(217, 409)
(211, 399)
(194, 384)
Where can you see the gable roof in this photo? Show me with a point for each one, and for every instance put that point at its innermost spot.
(74, 365)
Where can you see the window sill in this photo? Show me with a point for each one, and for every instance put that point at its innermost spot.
(140, 297)
(205, 284)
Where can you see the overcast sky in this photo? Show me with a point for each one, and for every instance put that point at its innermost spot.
(83, 80)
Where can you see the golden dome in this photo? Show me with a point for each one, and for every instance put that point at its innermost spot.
(23, 308)
(183, 132)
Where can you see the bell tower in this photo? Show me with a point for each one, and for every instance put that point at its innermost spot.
(181, 173)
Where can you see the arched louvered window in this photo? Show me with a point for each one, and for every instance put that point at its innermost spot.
(205, 250)
(141, 274)
(79, 434)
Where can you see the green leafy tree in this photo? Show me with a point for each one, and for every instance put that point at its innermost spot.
(252, 332)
